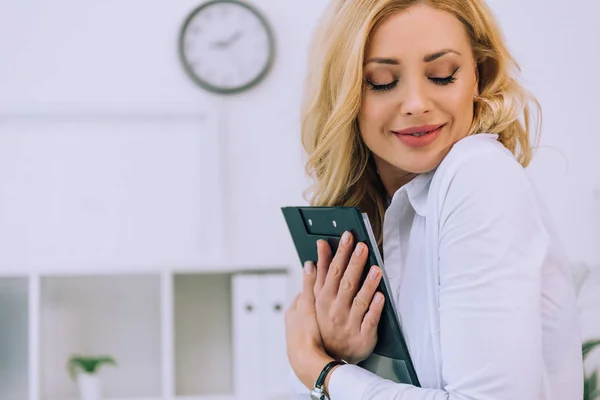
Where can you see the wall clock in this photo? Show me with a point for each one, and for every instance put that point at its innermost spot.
(226, 46)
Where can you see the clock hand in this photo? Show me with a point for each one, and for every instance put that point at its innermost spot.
(219, 44)
(235, 36)
(227, 42)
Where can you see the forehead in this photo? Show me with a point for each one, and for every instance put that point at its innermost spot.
(419, 30)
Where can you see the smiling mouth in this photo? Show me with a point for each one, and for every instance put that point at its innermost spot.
(420, 130)
(419, 136)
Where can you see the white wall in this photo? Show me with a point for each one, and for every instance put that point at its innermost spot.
(117, 58)
(555, 44)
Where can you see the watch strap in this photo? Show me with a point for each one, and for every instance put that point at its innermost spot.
(323, 375)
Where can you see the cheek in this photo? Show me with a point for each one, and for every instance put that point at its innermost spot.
(459, 103)
(373, 114)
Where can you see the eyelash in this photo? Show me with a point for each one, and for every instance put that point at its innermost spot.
(438, 81)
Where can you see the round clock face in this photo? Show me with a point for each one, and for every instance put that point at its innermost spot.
(226, 46)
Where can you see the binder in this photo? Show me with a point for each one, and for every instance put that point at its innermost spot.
(246, 328)
(259, 346)
(274, 356)
(390, 359)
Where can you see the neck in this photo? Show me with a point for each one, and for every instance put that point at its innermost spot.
(392, 177)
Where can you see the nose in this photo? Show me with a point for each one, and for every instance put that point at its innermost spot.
(414, 99)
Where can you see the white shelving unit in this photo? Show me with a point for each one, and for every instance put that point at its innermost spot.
(172, 334)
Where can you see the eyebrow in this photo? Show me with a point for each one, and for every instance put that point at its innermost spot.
(428, 58)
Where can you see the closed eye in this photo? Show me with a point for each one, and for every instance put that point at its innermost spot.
(445, 81)
(381, 88)
(389, 86)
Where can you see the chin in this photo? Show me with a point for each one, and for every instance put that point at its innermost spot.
(419, 165)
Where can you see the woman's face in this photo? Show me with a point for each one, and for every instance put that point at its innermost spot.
(420, 79)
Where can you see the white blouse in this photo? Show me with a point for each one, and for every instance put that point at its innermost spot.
(482, 287)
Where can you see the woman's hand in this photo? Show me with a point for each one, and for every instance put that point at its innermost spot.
(347, 315)
(303, 338)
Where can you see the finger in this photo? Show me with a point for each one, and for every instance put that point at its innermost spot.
(292, 307)
(324, 256)
(364, 297)
(368, 327)
(294, 303)
(338, 264)
(308, 282)
(350, 282)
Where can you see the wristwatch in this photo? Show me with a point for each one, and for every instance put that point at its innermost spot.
(318, 392)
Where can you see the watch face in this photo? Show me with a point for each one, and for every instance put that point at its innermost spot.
(318, 394)
(226, 46)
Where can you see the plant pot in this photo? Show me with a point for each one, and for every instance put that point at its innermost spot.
(89, 386)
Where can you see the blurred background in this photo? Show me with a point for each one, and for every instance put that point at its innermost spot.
(142, 174)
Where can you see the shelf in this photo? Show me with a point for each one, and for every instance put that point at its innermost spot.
(14, 352)
(208, 267)
(215, 397)
(116, 315)
(223, 397)
(202, 335)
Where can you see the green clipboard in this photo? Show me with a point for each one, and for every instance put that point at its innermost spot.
(390, 359)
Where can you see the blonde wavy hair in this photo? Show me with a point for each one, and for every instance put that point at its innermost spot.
(339, 162)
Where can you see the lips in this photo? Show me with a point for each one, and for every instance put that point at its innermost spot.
(416, 130)
(419, 136)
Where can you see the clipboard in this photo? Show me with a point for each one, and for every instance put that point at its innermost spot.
(390, 359)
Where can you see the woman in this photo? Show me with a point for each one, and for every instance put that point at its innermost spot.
(414, 114)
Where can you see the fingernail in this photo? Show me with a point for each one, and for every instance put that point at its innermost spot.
(373, 274)
(378, 298)
(309, 267)
(346, 237)
(359, 249)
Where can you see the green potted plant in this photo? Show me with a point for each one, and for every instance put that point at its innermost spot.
(84, 370)
(591, 391)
